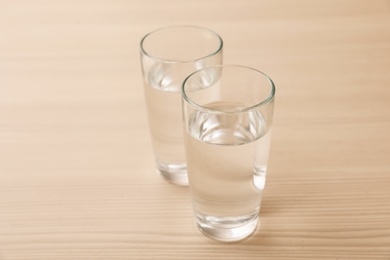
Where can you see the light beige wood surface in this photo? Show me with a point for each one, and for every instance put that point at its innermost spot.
(77, 179)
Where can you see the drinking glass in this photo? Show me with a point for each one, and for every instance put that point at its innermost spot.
(168, 56)
(227, 113)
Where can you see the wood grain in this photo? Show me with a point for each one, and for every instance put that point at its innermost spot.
(77, 179)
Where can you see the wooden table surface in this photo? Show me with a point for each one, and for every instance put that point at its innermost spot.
(77, 178)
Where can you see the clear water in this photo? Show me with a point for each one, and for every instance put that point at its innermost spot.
(163, 101)
(227, 159)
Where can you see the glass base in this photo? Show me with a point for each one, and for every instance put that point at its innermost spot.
(174, 173)
(227, 229)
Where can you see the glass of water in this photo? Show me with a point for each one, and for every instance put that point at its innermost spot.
(227, 113)
(168, 56)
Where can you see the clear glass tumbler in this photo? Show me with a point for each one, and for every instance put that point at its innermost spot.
(168, 56)
(227, 113)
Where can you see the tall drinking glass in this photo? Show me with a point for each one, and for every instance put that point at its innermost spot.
(227, 113)
(168, 56)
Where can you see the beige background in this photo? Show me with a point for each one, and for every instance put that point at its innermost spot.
(77, 177)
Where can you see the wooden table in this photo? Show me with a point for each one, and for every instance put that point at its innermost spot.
(77, 178)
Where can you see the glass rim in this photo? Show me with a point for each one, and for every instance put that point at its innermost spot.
(146, 53)
(246, 109)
